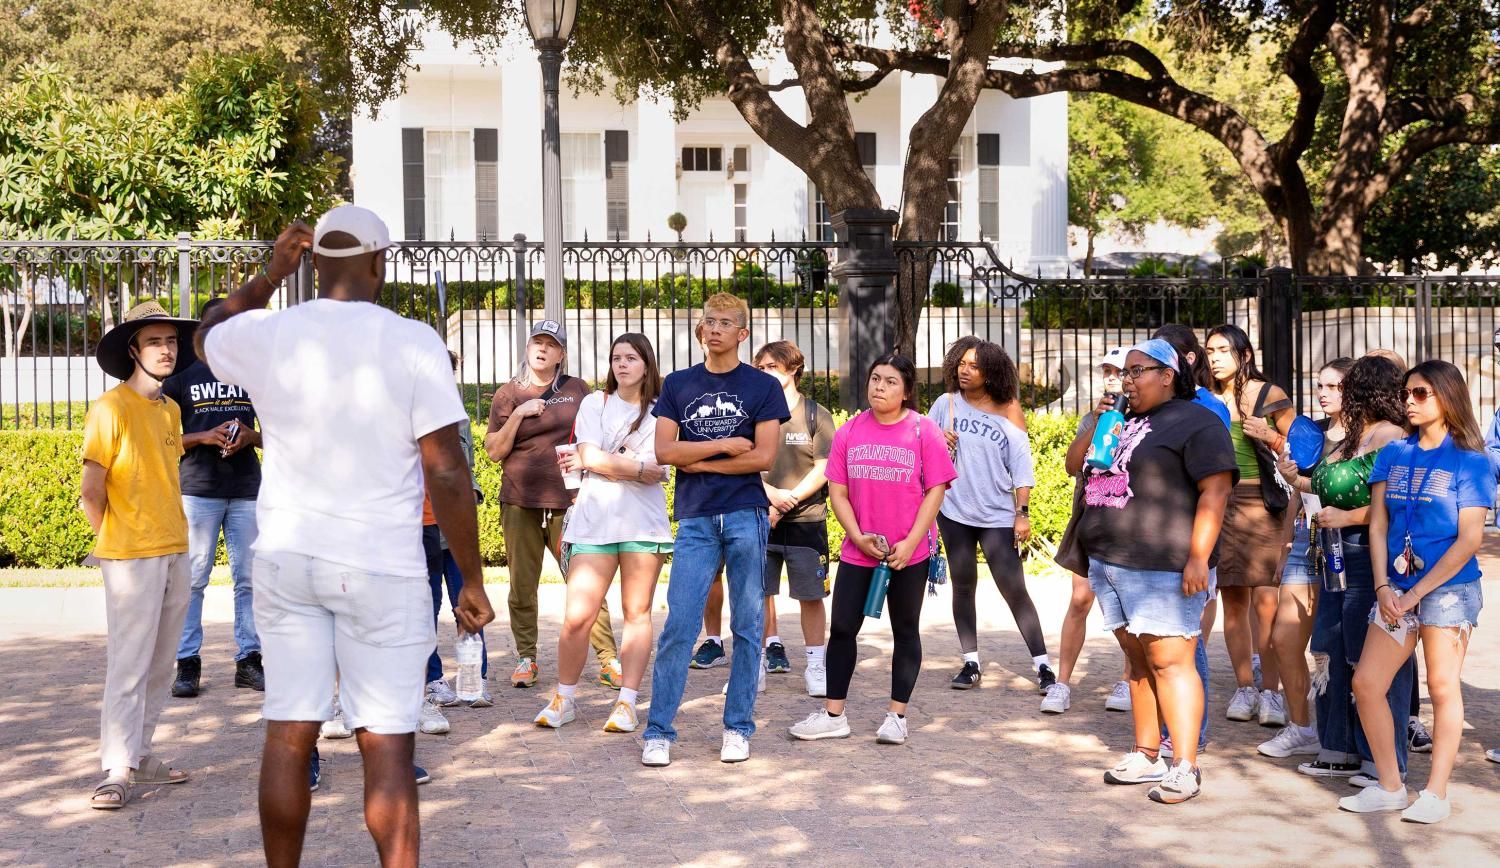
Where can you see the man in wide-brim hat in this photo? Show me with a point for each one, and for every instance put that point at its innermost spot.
(132, 443)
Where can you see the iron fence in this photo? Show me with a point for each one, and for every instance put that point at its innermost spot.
(57, 298)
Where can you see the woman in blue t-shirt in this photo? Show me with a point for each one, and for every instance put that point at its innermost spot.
(1431, 493)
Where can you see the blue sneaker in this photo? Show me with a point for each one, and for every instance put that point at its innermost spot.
(709, 655)
(776, 658)
(422, 776)
(314, 772)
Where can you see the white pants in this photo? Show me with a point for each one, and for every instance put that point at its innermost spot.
(145, 601)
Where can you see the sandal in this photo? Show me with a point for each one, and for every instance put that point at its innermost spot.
(153, 772)
(110, 795)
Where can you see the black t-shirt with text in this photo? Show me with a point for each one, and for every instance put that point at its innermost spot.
(206, 404)
(1139, 514)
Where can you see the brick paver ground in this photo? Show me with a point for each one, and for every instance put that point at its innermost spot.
(984, 779)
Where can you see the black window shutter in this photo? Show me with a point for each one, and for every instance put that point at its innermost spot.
(865, 143)
(989, 149)
(486, 184)
(413, 182)
(617, 183)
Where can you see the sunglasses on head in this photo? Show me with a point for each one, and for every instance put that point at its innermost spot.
(1421, 393)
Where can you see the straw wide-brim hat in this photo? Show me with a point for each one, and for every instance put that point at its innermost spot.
(113, 351)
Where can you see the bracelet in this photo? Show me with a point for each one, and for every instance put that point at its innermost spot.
(640, 471)
(1386, 586)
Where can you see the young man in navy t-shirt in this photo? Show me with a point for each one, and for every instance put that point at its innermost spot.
(718, 423)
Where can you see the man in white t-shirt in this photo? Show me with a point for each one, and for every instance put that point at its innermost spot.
(357, 409)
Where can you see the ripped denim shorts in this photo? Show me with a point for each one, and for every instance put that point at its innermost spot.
(1452, 606)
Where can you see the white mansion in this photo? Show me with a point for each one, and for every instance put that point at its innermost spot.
(458, 157)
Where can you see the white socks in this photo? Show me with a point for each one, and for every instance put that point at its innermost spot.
(567, 691)
(772, 640)
(816, 655)
(628, 696)
(1039, 661)
(718, 640)
(971, 657)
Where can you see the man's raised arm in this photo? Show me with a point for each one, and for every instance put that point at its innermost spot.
(255, 293)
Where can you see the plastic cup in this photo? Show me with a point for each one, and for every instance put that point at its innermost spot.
(573, 478)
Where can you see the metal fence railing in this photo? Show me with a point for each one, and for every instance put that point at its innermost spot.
(57, 298)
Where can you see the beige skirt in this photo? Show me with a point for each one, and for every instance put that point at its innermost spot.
(1253, 543)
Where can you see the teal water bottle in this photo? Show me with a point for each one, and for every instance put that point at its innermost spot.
(1101, 454)
(879, 584)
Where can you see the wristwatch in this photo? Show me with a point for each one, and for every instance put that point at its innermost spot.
(1024, 509)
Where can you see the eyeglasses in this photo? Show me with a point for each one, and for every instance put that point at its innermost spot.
(1421, 393)
(725, 324)
(1135, 371)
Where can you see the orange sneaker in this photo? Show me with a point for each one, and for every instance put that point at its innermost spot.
(610, 675)
(524, 674)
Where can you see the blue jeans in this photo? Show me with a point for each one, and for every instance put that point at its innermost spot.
(454, 580)
(738, 539)
(206, 516)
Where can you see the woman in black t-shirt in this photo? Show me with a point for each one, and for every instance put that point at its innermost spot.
(1150, 527)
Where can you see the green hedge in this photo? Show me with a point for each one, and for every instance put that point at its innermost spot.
(41, 525)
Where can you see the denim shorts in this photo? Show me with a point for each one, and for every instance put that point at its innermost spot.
(1147, 602)
(1298, 569)
(1452, 606)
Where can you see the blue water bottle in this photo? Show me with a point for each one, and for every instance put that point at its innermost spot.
(879, 584)
(1101, 454)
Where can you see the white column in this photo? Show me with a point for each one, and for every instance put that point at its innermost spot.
(375, 172)
(653, 170)
(521, 147)
(1049, 166)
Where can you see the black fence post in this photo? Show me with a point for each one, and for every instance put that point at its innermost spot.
(866, 273)
(1278, 330)
(521, 299)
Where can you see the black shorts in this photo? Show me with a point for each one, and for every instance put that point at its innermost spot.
(803, 548)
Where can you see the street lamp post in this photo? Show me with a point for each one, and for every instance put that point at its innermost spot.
(551, 25)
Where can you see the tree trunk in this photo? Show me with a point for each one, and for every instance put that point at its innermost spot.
(1088, 256)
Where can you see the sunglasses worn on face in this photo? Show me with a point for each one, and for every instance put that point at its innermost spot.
(1135, 371)
(1421, 393)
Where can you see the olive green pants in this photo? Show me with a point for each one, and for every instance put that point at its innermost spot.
(528, 533)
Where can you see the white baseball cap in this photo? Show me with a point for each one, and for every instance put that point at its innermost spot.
(1115, 358)
(360, 223)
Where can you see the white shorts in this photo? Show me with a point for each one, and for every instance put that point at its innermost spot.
(319, 620)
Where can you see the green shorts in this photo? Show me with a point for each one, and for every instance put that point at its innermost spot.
(645, 548)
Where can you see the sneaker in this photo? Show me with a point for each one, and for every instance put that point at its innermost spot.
(1493, 754)
(893, 730)
(1418, 740)
(1255, 671)
(250, 672)
(1165, 751)
(432, 720)
(314, 771)
(736, 748)
(610, 675)
(442, 693)
(1293, 740)
(1324, 769)
(968, 677)
(621, 719)
(1182, 782)
(1427, 809)
(709, 655)
(1119, 697)
(1366, 781)
(559, 710)
(1059, 697)
(524, 674)
(1244, 704)
(422, 776)
(485, 700)
(776, 658)
(189, 674)
(816, 677)
(1374, 798)
(656, 753)
(1272, 709)
(335, 727)
(1045, 678)
(820, 725)
(1134, 768)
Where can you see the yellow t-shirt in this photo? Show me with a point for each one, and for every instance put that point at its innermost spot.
(139, 444)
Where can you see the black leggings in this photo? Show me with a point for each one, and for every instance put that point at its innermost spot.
(903, 604)
(999, 543)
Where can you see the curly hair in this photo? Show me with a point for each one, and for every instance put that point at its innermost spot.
(1372, 393)
(1001, 382)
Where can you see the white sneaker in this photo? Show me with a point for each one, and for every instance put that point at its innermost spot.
(1119, 697)
(432, 721)
(892, 731)
(1272, 708)
(1493, 754)
(1293, 740)
(736, 748)
(559, 711)
(1134, 768)
(1372, 799)
(816, 677)
(1182, 782)
(622, 718)
(485, 700)
(442, 693)
(1427, 809)
(1244, 704)
(820, 725)
(656, 753)
(1059, 697)
(335, 727)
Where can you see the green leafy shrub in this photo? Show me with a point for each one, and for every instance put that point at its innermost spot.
(41, 524)
(947, 295)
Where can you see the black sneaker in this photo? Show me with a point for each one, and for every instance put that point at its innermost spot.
(249, 672)
(1322, 769)
(422, 776)
(1045, 678)
(314, 772)
(1417, 737)
(776, 658)
(709, 655)
(967, 677)
(189, 671)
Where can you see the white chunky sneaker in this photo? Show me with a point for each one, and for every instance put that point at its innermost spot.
(1272, 708)
(1244, 704)
(559, 711)
(622, 718)
(432, 721)
(819, 725)
(893, 730)
(656, 753)
(441, 692)
(1134, 768)
(735, 749)
(1059, 697)
(1182, 782)
(1293, 740)
(816, 677)
(1119, 697)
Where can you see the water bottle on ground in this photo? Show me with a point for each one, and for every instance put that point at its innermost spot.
(470, 660)
(1101, 454)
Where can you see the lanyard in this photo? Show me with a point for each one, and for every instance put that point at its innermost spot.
(1411, 502)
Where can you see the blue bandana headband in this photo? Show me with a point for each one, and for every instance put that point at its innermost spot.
(1160, 350)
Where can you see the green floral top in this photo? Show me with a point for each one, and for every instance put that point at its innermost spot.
(1343, 484)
